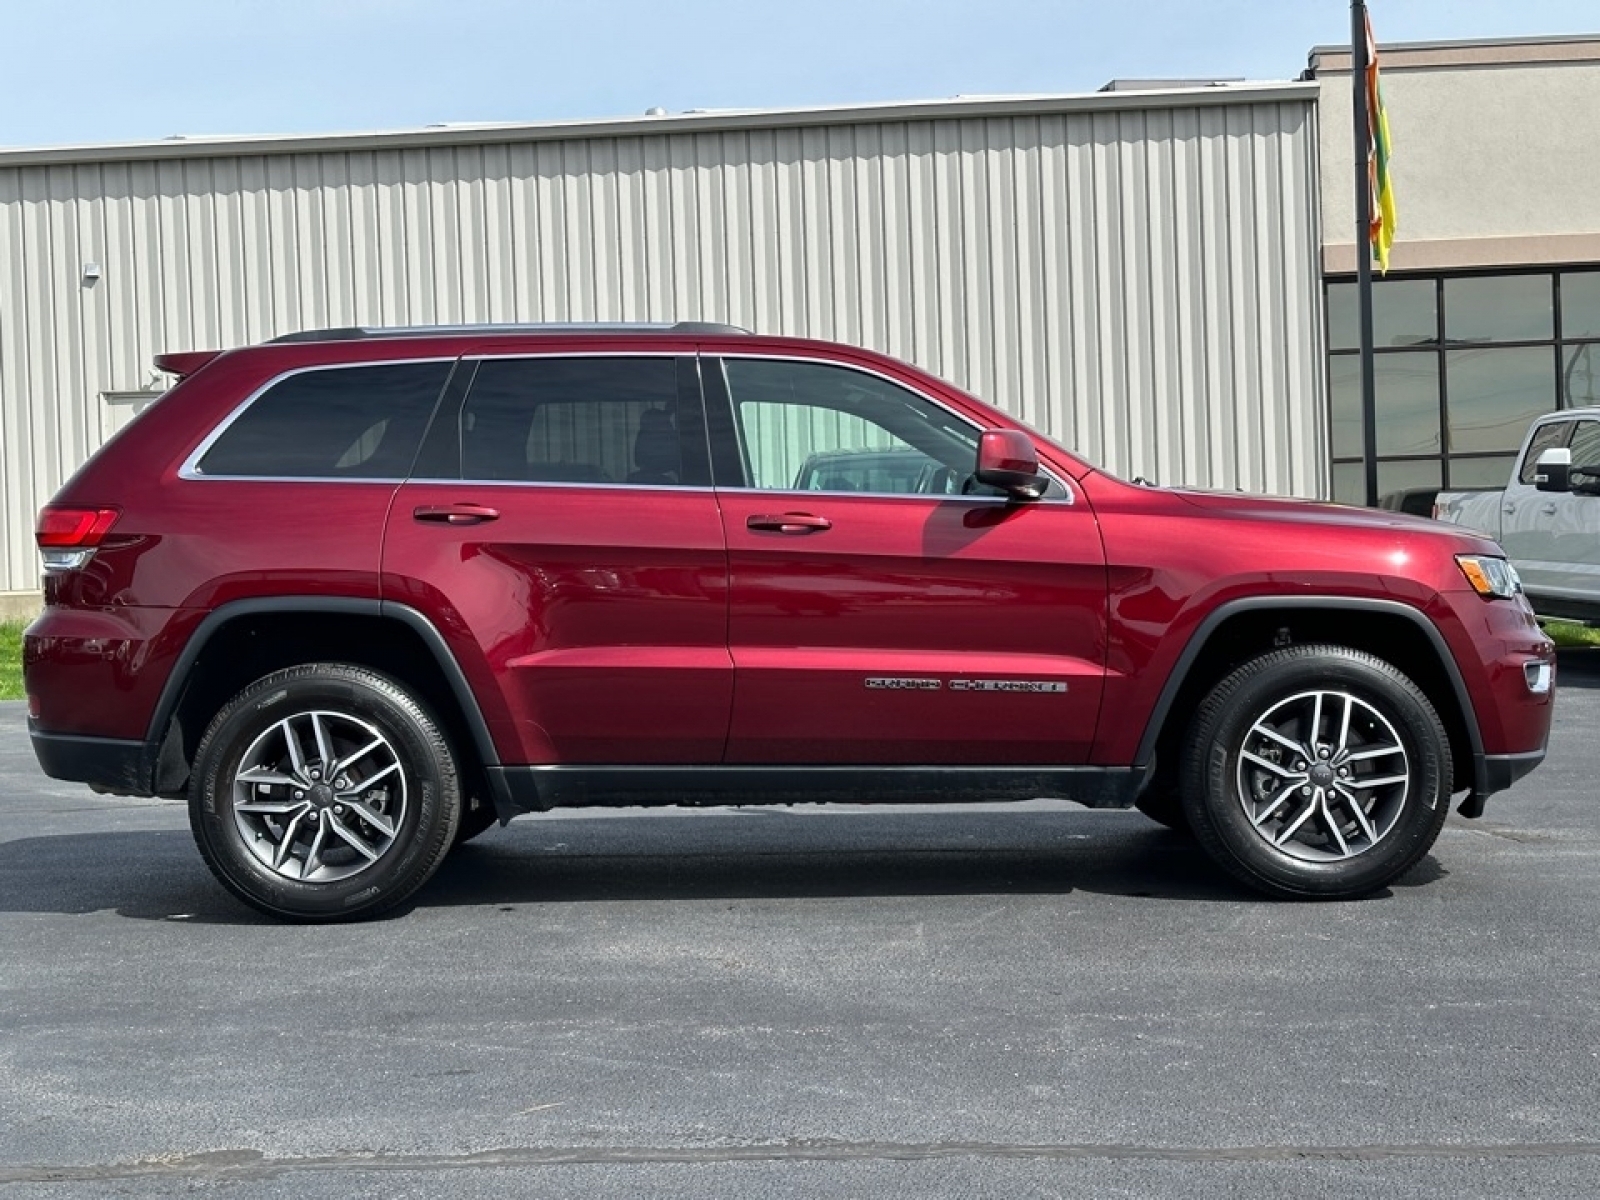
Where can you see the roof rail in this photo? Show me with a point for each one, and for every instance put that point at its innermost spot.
(351, 333)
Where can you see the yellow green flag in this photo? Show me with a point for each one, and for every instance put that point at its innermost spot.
(1381, 229)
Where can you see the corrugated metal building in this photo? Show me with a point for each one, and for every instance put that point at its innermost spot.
(1136, 273)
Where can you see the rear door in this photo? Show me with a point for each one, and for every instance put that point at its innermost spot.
(894, 617)
(562, 531)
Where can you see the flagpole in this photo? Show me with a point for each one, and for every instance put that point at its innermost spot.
(1358, 88)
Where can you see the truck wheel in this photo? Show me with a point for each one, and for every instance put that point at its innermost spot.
(1317, 771)
(324, 793)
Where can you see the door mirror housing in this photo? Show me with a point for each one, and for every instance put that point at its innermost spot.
(1007, 460)
(1552, 470)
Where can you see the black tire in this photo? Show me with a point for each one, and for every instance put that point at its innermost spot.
(1276, 806)
(1164, 806)
(307, 844)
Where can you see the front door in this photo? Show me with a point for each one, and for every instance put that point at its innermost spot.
(884, 608)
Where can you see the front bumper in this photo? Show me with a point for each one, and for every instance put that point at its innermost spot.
(1495, 773)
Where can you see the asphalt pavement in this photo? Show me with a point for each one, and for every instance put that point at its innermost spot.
(1011, 1000)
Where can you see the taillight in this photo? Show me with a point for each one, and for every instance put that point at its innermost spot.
(68, 537)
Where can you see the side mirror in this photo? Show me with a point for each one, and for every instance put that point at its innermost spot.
(1008, 461)
(1552, 470)
(1585, 479)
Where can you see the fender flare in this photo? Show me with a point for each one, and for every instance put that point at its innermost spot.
(388, 610)
(1233, 608)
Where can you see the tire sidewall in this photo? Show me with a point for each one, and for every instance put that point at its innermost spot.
(1219, 819)
(425, 830)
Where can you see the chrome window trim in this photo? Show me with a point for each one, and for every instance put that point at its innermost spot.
(1068, 499)
(191, 466)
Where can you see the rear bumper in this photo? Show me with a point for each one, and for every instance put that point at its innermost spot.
(123, 768)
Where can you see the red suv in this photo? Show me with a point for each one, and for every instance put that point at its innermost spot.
(359, 593)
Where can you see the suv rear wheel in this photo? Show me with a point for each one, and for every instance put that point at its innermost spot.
(324, 792)
(1317, 771)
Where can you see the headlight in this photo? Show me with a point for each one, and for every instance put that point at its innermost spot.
(1490, 576)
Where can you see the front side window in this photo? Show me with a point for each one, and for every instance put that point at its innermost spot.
(333, 423)
(573, 420)
(815, 427)
(1549, 436)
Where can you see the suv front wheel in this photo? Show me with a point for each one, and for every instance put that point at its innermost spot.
(1317, 771)
(324, 792)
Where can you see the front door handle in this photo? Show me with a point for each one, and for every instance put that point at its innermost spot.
(788, 523)
(456, 514)
(1548, 509)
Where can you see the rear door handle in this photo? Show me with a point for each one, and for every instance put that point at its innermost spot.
(788, 523)
(1549, 509)
(456, 514)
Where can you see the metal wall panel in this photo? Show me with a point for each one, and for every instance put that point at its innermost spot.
(1137, 278)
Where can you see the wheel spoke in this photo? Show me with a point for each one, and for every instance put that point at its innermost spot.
(1359, 813)
(313, 854)
(1273, 735)
(363, 785)
(296, 759)
(281, 852)
(1378, 752)
(1275, 768)
(373, 817)
(267, 776)
(1344, 727)
(1332, 826)
(1265, 814)
(275, 808)
(1293, 827)
(324, 752)
(1377, 781)
(350, 760)
(354, 840)
(1316, 726)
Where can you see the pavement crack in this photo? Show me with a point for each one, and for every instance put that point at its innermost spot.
(252, 1164)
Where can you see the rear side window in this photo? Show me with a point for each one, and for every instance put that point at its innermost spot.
(332, 423)
(574, 420)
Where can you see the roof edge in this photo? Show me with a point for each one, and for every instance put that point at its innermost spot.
(1465, 52)
(677, 123)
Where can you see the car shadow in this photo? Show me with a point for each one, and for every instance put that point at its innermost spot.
(665, 856)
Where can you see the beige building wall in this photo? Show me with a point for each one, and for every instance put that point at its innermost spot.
(1134, 273)
(1496, 152)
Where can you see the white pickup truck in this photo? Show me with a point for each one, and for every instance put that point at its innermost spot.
(1547, 517)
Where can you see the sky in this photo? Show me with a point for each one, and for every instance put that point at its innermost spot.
(96, 71)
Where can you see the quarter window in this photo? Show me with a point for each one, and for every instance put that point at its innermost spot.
(334, 423)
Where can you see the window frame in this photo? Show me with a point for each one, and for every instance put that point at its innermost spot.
(444, 441)
(1558, 344)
